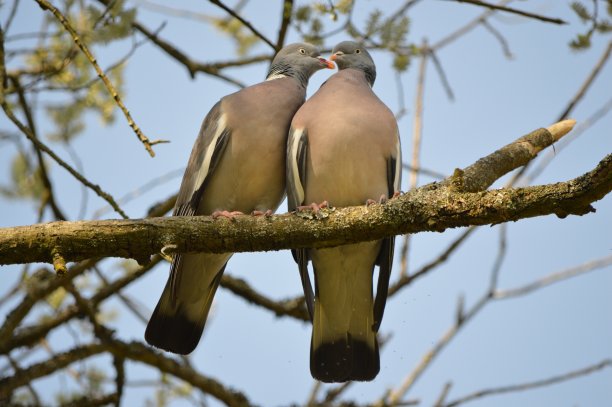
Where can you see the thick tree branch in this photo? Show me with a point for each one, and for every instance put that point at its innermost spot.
(132, 351)
(434, 207)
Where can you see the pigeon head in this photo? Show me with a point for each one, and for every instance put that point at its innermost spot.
(350, 54)
(299, 61)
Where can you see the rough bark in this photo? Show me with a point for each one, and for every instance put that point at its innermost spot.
(433, 207)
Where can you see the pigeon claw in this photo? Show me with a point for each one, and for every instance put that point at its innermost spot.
(313, 206)
(226, 214)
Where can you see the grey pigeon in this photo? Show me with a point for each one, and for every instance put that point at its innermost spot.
(237, 165)
(344, 148)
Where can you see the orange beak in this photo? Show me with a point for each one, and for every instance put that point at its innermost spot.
(328, 64)
(336, 55)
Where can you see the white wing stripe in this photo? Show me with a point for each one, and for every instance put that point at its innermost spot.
(205, 167)
(294, 143)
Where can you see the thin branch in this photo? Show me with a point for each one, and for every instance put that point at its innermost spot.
(417, 127)
(285, 22)
(150, 184)
(41, 285)
(28, 335)
(500, 38)
(455, 35)
(401, 111)
(443, 394)
(11, 15)
(442, 75)
(37, 370)
(575, 100)
(424, 171)
(50, 195)
(588, 82)
(463, 318)
(513, 11)
(554, 278)
(563, 143)
(41, 146)
(532, 385)
(403, 281)
(192, 66)
(295, 307)
(417, 133)
(31, 389)
(175, 12)
(45, 5)
(244, 22)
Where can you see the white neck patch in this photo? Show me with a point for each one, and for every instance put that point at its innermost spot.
(276, 76)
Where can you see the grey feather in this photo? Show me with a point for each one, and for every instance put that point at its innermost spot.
(237, 164)
(344, 148)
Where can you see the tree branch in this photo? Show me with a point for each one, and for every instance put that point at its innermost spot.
(248, 25)
(532, 385)
(513, 11)
(45, 5)
(433, 207)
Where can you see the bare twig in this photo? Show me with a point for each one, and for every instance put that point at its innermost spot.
(244, 22)
(39, 144)
(500, 38)
(424, 171)
(396, 395)
(513, 11)
(49, 192)
(11, 15)
(45, 5)
(287, 13)
(588, 82)
(31, 389)
(554, 278)
(192, 66)
(443, 394)
(417, 132)
(403, 281)
(579, 130)
(442, 75)
(295, 307)
(572, 104)
(531, 385)
(466, 28)
(141, 190)
(43, 147)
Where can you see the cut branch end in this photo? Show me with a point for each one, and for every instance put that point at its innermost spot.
(561, 128)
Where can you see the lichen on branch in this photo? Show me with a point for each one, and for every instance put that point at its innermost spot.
(433, 207)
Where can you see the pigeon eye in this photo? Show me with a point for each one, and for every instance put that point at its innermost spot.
(358, 51)
(302, 51)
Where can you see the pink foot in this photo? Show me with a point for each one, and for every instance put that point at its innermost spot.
(313, 206)
(226, 214)
(383, 198)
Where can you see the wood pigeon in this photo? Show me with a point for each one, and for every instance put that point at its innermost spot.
(237, 165)
(344, 148)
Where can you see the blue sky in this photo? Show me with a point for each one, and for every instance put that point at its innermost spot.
(557, 329)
